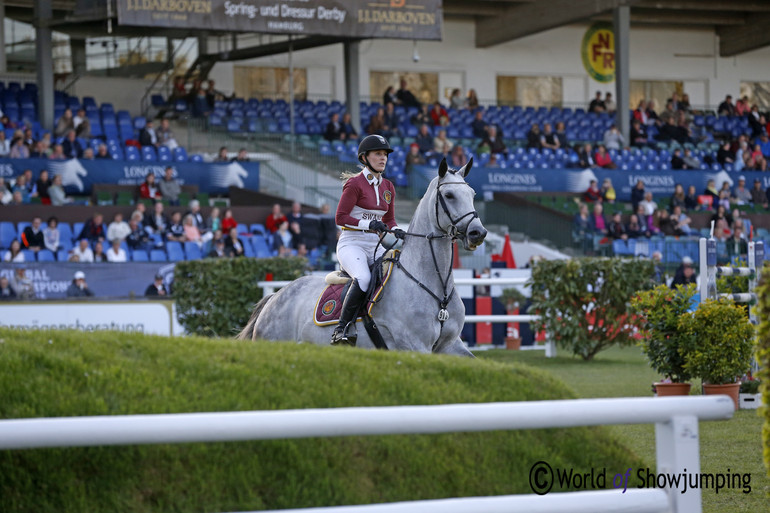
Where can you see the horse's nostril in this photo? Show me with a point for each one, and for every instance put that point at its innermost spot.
(477, 235)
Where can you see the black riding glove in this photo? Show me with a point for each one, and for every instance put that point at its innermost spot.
(378, 226)
(399, 233)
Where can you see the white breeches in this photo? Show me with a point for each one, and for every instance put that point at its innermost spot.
(355, 253)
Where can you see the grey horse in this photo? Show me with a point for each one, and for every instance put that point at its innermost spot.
(419, 310)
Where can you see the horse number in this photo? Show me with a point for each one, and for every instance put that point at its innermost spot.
(443, 315)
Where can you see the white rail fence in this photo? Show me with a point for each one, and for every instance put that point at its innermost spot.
(269, 287)
(676, 432)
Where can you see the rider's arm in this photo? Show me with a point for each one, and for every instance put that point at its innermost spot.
(390, 217)
(350, 194)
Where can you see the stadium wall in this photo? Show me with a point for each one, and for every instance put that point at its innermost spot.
(656, 54)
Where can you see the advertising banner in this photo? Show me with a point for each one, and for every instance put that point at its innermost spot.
(78, 176)
(398, 19)
(105, 280)
(660, 183)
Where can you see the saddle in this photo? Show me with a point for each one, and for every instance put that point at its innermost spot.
(329, 304)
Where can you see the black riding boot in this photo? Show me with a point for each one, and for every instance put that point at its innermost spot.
(345, 331)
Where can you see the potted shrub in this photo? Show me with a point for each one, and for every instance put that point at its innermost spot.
(664, 342)
(513, 299)
(723, 340)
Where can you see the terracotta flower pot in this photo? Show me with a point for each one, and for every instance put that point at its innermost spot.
(513, 343)
(731, 389)
(668, 389)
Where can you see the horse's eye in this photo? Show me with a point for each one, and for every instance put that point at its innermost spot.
(449, 196)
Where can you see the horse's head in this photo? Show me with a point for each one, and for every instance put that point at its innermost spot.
(455, 212)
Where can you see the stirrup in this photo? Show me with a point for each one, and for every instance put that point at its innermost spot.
(346, 335)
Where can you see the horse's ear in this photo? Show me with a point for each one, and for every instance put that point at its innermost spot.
(468, 167)
(442, 168)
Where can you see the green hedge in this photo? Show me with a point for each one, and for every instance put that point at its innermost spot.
(49, 374)
(215, 297)
(763, 358)
(583, 303)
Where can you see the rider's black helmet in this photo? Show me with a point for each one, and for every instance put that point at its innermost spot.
(372, 143)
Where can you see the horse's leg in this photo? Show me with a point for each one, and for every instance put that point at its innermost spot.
(455, 347)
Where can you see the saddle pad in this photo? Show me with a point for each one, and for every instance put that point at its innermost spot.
(328, 307)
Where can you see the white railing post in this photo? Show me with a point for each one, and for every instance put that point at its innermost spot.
(677, 448)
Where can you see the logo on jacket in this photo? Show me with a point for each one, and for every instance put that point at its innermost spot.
(387, 196)
(328, 307)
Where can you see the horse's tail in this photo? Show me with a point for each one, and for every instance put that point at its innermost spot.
(249, 331)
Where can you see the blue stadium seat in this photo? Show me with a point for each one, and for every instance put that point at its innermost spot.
(180, 154)
(45, 255)
(29, 255)
(62, 255)
(140, 255)
(164, 154)
(158, 255)
(192, 251)
(132, 153)
(175, 252)
(261, 249)
(7, 234)
(258, 228)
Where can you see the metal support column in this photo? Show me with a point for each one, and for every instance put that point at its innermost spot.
(621, 18)
(78, 56)
(44, 57)
(3, 60)
(352, 86)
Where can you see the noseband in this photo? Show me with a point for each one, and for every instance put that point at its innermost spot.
(453, 231)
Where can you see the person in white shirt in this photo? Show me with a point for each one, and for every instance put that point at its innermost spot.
(118, 229)
(5, 145)
(83, 252)
(649, 205)
(116, 253)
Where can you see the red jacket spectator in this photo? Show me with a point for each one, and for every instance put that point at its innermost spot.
(275, 219)
(149, 189)
(439, 115)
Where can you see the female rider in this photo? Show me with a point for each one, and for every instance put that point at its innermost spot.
(365, 211)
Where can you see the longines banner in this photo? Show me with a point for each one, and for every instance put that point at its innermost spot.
(401, 19)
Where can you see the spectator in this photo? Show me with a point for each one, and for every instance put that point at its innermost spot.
(64, 124)
(494, 142)
(217, 248)
(197, 216)
(585, 156)
(649, 205)
(242, 156)
(88, 154)
(391, 120)
(458, 157)
(389, 96)
(741, 194)
(472, 101)
(212, 94)
(83, 130)
(175, 230)
(56, 192)
(561, 135)
(609, 103)
(93, 230)
(681, 222)
(233, 245)
(616, 229)
(32, 237)
(6, 291)
(347, 127)
(764, 144)
(57, 153)
(228, 221)
(99, 255)
(722, 221)
(438, 115)
(725, 155)
(592, 194)
(405, 96)
(115, 253)
(737, 247)
(118, 229)
(582, 226)
(149, 189)
(148, 136)
(533, 137)
(52, 235)
(690, 160)
(5, 145)
(334, 129)
(222, 155)
(79, 287)
(726, 108)
(637, 195)
(275, 219)
(603, 159)
(441, 144)
(283, 240)
(19, 150)
(600, 225)
(14, 253)
(456, 100)
(422, 117)
(295, 216)
(79, 118)
(640, 113)
(200, 106)
(742, 106)
(377, 124)
(156, 288)
(678, 198)
(548, 139)
(711, 190)
(634, 229)
(21, 187)
(424, 140)
(166, 135)
(685, 274)
(607, 191)
(102, 153)
(5, 193)
(414, 157)
(138, 239)
(214, 222)
(479, 125)
(169, 188)
(756, 161)
(22, 285)
(597, 104)
(758, 196)
(30, 184)
(613, 139)
(676, 160)
(82, 252)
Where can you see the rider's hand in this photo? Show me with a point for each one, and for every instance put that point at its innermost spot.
(378, 226)
(399, 233)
